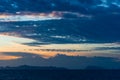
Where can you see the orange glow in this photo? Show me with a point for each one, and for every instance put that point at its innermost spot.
(15, 44)
(36, 50)
(8, 57)
(3, 16)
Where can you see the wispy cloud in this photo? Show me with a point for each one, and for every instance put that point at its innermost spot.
(31, 16)
(28, 17)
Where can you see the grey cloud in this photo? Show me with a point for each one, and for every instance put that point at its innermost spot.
(77, 62)
(108, 48)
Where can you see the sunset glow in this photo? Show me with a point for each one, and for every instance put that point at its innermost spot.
(16, 44)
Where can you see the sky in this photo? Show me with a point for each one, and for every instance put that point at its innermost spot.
(73, 34)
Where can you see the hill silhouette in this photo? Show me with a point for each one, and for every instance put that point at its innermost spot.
(27, 67)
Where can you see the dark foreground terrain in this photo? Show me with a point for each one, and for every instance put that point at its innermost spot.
(59, 74)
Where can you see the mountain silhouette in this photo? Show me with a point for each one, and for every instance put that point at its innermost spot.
(27, 67)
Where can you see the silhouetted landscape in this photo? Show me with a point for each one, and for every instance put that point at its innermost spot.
(26, 67)
(26, 72)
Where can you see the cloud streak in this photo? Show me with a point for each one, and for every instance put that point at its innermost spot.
(28, 17)
(18, 44)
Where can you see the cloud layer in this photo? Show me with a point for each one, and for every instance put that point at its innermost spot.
(84, 6)
(58, 32)
(70, 62)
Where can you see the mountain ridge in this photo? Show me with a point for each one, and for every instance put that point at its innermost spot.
(28, 67)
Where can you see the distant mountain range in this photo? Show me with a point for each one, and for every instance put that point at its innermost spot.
(27, 67)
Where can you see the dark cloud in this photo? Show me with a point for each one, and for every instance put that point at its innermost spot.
(36, 44)
(102, 28)
(62, 50)
(71, 62)
(108, 48)
(84, 6)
